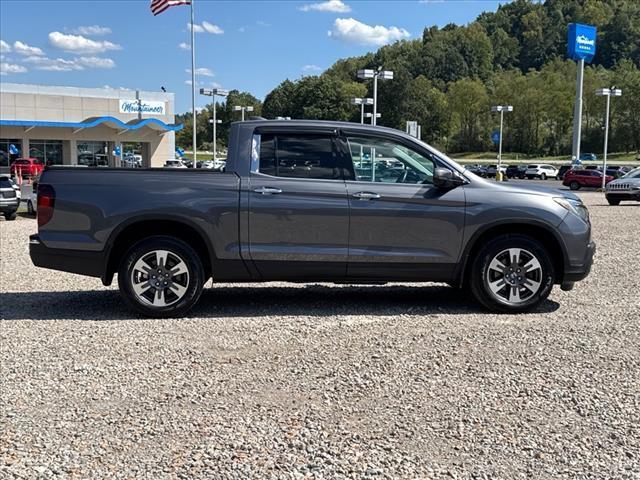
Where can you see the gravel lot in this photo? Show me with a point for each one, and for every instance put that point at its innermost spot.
(322, 381)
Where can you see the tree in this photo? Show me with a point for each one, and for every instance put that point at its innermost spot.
(469, 105)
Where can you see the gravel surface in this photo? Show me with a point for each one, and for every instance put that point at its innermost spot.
(321, 381)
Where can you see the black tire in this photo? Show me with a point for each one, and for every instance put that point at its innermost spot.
(613, 202)
(192, 281)
(30, 209)
(574, 185)
(10, 215)
(479, 281)
(543, 176)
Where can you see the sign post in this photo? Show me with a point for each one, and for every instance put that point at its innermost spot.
(581, 46)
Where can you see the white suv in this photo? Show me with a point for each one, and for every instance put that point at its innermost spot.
(541, 171)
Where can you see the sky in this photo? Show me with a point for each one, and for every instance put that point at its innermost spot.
(245, 45)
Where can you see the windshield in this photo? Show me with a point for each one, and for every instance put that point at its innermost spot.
(635, 173)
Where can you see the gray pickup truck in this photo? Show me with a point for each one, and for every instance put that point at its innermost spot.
(311, 201)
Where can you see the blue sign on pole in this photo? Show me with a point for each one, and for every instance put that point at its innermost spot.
(13, 150)
(117, 151)
(581, 42)
(495, 137)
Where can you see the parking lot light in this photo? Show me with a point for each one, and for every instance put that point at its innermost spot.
(607, 92)
(212, 93)
(242, 108)
(362, 102)
(370, 115)
(501, 109)
(365, 74)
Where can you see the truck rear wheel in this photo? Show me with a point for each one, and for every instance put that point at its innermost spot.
(161, 277)
(511, 274)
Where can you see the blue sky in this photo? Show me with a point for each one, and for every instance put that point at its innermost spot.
(248, 45)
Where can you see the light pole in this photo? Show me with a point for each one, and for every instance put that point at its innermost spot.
(375, 74)
(212, 93)
(239, 108)
(607, 92)
(501, 109)
(370, 115)
(362, 102)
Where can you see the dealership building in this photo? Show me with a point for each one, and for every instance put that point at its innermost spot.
(85, 126)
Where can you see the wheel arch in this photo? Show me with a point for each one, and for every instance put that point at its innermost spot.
(142, 227)
(541, 232)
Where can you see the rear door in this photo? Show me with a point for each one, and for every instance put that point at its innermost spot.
(402, 227)
(298, 207)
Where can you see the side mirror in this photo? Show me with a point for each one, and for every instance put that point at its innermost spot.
(445, 178)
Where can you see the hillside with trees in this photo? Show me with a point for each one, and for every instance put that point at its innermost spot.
(448, 79)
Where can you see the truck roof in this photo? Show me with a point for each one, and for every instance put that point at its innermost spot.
(255, 122)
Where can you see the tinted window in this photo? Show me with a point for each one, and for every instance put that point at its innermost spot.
(385, 161)
(299, 156)
(267, 155)
(5, 182)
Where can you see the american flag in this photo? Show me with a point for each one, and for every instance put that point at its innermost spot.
(159, 6)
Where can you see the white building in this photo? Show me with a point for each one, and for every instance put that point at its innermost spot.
(85, 126)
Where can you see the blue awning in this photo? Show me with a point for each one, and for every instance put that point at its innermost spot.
(112, 122)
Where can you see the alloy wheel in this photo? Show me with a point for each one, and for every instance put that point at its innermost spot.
(514, 276)
(159, 278)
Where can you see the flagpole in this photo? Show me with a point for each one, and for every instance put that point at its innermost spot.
(193, 83)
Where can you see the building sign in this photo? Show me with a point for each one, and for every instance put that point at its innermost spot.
(581, 42)
(142, 106)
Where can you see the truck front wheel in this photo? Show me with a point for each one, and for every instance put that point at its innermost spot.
(511, 274)
(161, 277)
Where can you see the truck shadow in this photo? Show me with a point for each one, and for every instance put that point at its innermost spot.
(262, 301)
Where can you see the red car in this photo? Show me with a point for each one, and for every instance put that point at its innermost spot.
(576, 179)
(28, 167)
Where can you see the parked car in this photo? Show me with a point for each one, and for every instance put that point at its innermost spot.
(492, 170)
(173, 163)
(541, 171)
(576, 179)
(28, 167)
(626, 188)
(214, 164)
(516, 171)
(479, 170)
(9, 197)
(289, 208)
(562, 170)
(588, 157)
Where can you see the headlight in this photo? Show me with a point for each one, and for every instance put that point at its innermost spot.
(573, 206)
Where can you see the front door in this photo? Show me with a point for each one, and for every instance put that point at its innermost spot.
(298, 208)
(402, 227)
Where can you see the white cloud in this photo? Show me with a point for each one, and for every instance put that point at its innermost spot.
(211, 28)
(96, 62)
(202, 72)
(184, 46)
(68, 65)
(26, 50)
(4, 47)
(351, 30)
(9, 68)
(311, 68)
(206, 27)
(80, 44)
(54, 64)
(336, 6)
(92, 30)
(262, 23)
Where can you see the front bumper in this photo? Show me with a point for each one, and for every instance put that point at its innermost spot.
(577, 272)
(622, 195)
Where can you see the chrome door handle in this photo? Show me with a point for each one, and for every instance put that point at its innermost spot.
(366, 195)
(267, 190)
